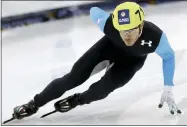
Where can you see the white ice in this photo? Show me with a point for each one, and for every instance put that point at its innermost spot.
(33, 56)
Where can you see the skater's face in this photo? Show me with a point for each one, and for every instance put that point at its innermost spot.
(131, 36)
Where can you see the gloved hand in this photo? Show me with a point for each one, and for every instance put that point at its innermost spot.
(167, 96)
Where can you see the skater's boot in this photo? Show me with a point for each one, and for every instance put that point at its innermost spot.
(25, 110)
(68, 103)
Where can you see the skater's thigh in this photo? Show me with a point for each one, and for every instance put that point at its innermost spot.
(120, 73)
(94, 60)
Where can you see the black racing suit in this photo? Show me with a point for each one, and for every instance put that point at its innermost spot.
(121, 61)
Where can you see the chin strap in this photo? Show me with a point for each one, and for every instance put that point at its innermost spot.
(140, 31)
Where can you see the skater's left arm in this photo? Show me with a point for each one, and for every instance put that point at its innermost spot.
(167, 54)
(99, 17)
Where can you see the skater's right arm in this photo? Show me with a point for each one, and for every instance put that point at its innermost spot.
(99, 17)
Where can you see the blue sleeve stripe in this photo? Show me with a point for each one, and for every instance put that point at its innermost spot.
(99, 17)
(165, 51)
(168, 69)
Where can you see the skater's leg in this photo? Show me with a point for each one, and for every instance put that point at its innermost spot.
(80, 72)
(117, 76)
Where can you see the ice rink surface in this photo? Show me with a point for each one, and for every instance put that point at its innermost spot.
(33, 56)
